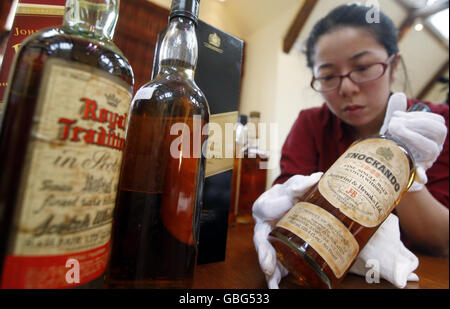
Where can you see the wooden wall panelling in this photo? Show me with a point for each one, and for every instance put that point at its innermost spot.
(137, 30)
(297, 25)
(5, 6)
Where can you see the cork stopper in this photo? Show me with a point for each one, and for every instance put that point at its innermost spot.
(255, 115)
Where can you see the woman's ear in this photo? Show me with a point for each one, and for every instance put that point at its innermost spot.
(394, 66)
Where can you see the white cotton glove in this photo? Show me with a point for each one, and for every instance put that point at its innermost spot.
(270, 207)
(387, 256)
(423, 133)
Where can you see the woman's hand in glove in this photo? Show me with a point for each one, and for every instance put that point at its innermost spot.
(423, 133)
(268, 209)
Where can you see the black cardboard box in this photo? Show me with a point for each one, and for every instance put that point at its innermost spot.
(218, 75)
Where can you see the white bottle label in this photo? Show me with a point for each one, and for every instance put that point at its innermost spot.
(325, 233)
(367, 181)
(70, 178)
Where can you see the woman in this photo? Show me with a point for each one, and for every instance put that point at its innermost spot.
(354, 64)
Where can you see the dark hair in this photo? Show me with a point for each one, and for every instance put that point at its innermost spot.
(355, 15)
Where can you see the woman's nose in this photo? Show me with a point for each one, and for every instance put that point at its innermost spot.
(348, 87)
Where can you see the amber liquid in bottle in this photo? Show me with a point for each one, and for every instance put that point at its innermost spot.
(240, 145)
(308, 267)
(21, 105)
(252, 184)
(234, 193)
(156, 220)
(252, 172)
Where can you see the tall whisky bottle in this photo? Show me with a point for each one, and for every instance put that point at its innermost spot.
(320, 237)
(61, 145)
(156, 221)
(253, 174)
(240, 146)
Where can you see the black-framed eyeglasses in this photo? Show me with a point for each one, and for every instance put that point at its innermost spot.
(360, 75)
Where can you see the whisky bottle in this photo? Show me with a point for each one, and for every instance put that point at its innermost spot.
(320, 237)
(61, 146)
(240, 144)
(156, 221)
(253, 175)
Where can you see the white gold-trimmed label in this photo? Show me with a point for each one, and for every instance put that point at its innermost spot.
(367, 180)
(73, 162)
(325, 233)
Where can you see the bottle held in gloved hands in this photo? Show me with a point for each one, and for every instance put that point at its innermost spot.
(320, 237)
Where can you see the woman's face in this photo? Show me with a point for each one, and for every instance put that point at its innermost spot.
(344, 50)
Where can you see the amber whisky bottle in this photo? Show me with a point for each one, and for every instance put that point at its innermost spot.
(156, 222)
(240, 145)
(320, 237)
(61, 145)
(252, 172)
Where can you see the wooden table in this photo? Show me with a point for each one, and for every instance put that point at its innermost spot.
(241, 270)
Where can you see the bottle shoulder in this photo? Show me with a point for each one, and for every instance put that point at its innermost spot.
(62, 43)
(382, 139)
(173, 89)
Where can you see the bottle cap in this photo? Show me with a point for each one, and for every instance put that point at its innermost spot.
(243, 119)
(255, 115)
(185, 8)
(420, 107)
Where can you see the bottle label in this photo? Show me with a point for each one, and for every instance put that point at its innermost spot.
(367, 181)
(68, 189)
(325, 233)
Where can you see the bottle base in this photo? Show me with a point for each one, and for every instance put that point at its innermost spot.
(245, 219)
(295, 258)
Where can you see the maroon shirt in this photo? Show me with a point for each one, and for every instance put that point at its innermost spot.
(318, 138)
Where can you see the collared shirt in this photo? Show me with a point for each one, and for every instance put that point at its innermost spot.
(318, 138)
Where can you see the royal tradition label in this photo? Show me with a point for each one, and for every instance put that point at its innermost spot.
(367, 181)
(326, 234)
(30, 17)
(70, 179)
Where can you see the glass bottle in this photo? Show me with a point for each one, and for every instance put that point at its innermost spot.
(156, 222)
(253, 175)
(320, 237)
(240, 146)
(61, 145)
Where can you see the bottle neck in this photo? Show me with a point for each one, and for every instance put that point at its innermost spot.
(179, 49)
(253, 133)
(94, 19)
